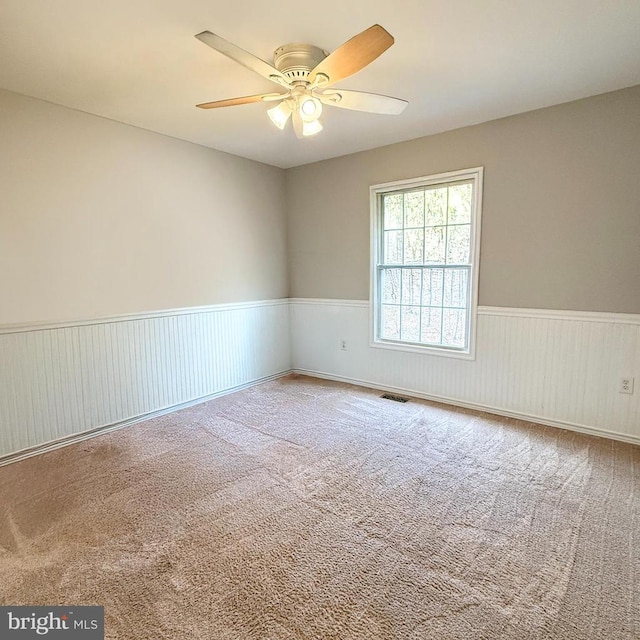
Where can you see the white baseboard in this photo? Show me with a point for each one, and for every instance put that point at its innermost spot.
(558, 368)
(64, 379)
(612, 435)
(98, 431)
(62, 382)
(92, 433)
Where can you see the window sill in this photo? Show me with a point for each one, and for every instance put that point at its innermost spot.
(424, 350)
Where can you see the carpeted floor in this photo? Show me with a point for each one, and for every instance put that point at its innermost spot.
(305, 509)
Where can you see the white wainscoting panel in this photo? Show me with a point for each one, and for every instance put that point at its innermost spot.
(60, 381)
(65, 379)
(554, 367)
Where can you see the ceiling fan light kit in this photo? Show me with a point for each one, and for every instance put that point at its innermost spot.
(305, 72)
(310, 108)
(280, 114)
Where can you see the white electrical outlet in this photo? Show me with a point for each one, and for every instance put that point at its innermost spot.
(626, 385)
(343, 344)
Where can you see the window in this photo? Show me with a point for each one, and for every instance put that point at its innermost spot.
(425, 247)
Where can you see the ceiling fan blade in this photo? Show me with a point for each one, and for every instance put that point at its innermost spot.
(298, 124)
(352, 56)
(243, 57)
(232, 102)
(361, 101)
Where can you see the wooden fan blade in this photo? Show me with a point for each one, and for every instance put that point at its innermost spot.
(353, 55)
(242, 57)
(361, 101)
(232, 102)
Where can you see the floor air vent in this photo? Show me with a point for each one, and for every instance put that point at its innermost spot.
(389, 396)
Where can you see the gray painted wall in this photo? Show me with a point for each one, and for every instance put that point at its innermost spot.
(561, 212)
(98, 218)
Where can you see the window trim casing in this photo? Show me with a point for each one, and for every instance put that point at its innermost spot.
(476, 174)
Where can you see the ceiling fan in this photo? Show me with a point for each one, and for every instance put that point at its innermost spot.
(306, 72)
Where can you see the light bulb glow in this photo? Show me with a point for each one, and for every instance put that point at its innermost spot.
(280, 114)
(310, 108)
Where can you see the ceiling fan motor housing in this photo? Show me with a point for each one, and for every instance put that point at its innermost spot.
(296, 60)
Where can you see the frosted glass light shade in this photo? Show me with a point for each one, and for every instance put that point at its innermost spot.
(280, 114)
(311, 128)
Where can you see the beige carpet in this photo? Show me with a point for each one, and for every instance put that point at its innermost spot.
(309, 509)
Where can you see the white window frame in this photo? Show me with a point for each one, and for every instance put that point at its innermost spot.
(376, 192)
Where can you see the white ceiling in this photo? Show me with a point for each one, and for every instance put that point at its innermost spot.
(457, 62)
